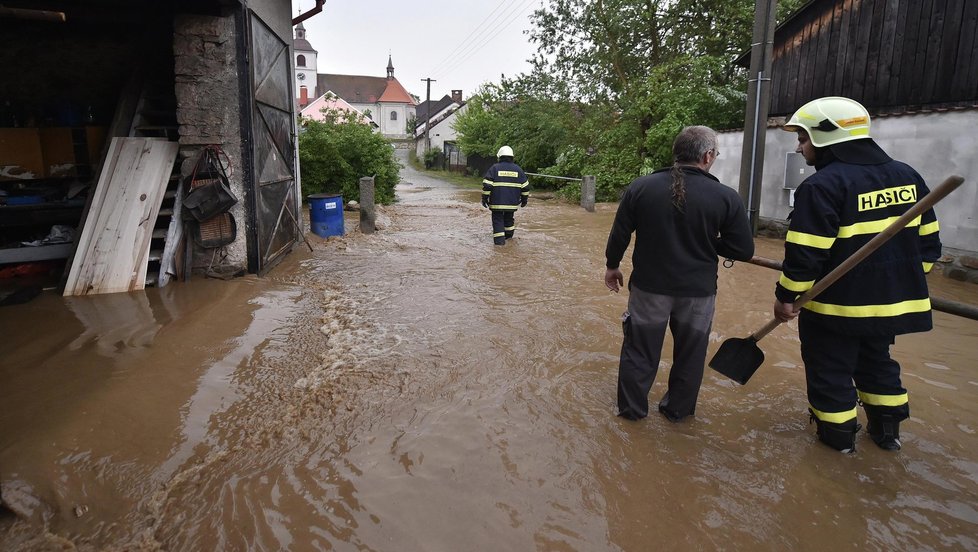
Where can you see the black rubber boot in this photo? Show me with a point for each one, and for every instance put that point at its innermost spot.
(841, 437)
(884, 424)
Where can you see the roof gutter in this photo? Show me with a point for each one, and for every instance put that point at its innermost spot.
(303, 16)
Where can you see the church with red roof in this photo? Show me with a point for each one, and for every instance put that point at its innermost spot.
(382, 99)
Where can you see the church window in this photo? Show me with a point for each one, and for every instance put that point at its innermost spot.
(300, 60)
(393, 115)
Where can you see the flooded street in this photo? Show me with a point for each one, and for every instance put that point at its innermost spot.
(419, 389)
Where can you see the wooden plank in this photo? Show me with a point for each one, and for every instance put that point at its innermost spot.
(802, 91)
(933, 52)
(898, 56)
(822, 55)
(835, 46)
(39, 253)
(947, 63)
(873, 62)
(862, 25)
(914, 56)
(965, 81)
(843, 68)
(113, 250)
(171, 247)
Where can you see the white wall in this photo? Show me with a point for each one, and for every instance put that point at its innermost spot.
(936, 144)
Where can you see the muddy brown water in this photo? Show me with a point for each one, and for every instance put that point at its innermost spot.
(419, 389)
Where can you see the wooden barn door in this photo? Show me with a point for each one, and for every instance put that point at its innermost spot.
(275, 199)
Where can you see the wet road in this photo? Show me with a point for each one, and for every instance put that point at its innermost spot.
(419, 389)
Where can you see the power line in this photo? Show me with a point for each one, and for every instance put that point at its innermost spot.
(477, 27)
(495, 30)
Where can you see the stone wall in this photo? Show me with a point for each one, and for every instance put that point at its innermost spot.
(208, 112)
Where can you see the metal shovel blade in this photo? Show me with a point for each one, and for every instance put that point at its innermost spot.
(738, 358)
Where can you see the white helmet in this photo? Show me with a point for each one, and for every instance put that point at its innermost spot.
(505, 151)
(831, 120)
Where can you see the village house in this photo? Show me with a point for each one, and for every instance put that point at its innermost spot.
(437, 129)
(382, 99)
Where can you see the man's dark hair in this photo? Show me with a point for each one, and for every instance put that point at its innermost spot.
(690, 146)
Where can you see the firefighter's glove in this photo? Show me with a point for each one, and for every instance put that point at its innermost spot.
(523, 200)
(485, 201)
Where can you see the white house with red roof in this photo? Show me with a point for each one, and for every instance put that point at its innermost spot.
(382, 99)
(318, 109)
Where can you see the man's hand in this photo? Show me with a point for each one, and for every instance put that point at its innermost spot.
(784, 311)
(485, 200)
(523, 200)
(613, 279)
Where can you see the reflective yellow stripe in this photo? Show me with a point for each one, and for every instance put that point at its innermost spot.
(927, 267)
(526, 193)
(503, 207)
(883, 400)
(525, 184)
(810, 240)
(509, 228)
(798, 287)
(859, 132)
(499, 234)
(834, 417)
(867, 311)
(929, 228)
(509, 184)
(871, 227)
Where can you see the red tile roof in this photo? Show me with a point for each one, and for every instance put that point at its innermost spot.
(363, 89)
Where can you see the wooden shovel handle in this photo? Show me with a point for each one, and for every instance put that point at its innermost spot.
(949, 185)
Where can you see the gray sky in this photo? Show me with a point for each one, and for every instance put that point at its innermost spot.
(459, 43)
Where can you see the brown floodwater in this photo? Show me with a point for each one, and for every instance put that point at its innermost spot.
(419, 389)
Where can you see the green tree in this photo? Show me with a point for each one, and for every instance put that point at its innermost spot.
(613, 81)
(336, 152)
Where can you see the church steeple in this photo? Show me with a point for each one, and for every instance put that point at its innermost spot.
(390, 68)
(300, 31)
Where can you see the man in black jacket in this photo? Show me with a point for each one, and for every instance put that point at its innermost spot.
(846, 334)
(683, 219)
(505, 189)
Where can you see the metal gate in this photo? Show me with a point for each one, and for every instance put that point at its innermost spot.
(276, 203)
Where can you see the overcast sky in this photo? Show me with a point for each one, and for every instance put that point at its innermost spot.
(458, 43)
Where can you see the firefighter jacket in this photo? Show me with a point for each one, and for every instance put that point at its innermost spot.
(506, 185)
(838, 210)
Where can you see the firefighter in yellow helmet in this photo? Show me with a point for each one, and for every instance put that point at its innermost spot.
(505, 189)
(856, 191)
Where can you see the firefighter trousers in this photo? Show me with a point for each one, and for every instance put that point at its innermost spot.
(689, 319)
(503, 225)
(841, 369)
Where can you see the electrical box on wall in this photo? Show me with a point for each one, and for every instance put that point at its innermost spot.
(796, 170)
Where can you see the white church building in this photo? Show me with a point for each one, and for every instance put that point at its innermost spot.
(382, 99)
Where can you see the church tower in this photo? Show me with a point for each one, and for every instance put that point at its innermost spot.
(306, 66)
(390, 68)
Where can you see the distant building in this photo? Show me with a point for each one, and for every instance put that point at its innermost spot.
(382, 99)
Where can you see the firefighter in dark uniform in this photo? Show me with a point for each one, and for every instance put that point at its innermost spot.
(504, 190)
(856, 192)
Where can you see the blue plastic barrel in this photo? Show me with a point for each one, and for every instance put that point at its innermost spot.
(326, 214)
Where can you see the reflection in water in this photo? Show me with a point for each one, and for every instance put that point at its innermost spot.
(421, 389)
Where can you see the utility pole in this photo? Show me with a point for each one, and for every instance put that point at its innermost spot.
(758, 103)
(427, 118)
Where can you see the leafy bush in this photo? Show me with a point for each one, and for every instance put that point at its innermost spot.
(431, 156)
(334, 154)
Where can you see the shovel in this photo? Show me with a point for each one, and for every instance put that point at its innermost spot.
(738, 358)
